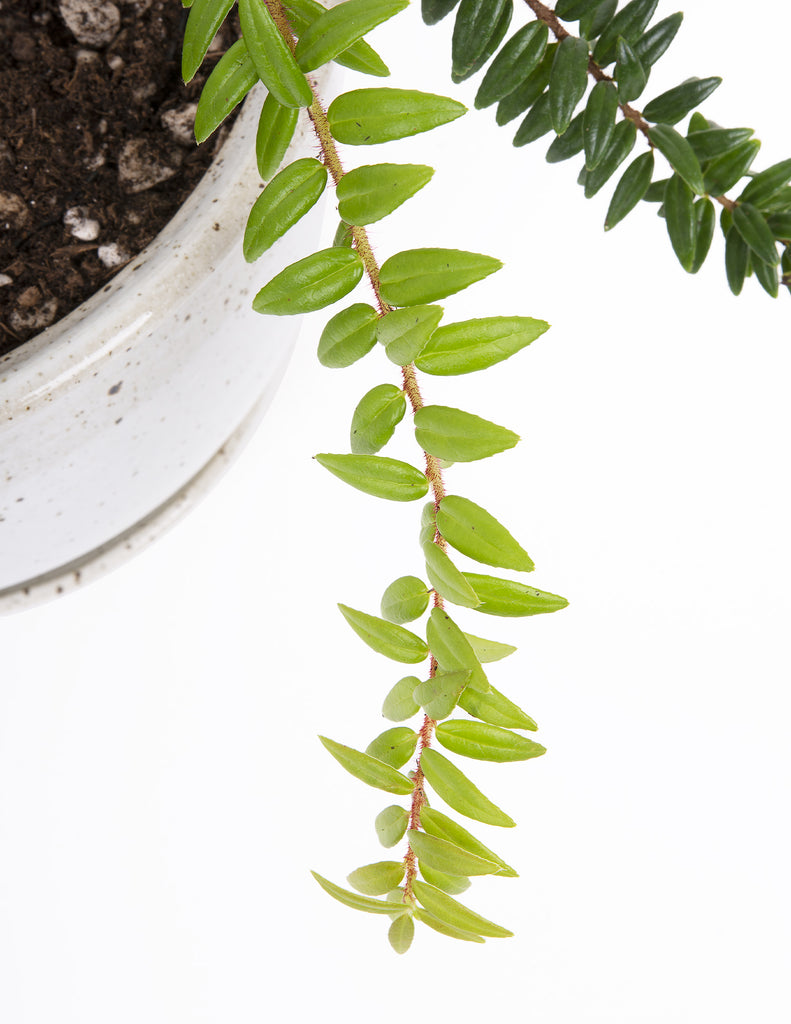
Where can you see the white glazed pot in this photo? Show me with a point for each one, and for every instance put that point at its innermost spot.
(115, 419)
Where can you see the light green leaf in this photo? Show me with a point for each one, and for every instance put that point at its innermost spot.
(405, 599)
(476, 533)
(679, 154)
(358, 57)
(438, 695)
(676, 103)
(366, 194)
(458, 792)
(348, 336)
(428, 525)
(496, 709)
(415, 276)
(395, 747)
(452, 650)
(488, 650)
(375, 418)
(405, 332)
(364, 117)
(486, 742)
(354, 900)
(448, 858)
(443, 928)
(477, 344)
(385, 637)
(446, 579)
(454, 885)
(391, 824)
(311, 283)
(507, 597)
(276, 127)
(368, 769)
(460, 436)
(567, 81)
(377, 879)
(435, 823)
(232, 77)
(204, 20)
(339, 28)
(284, 201)
(273, 60)
(400, 704)
(377, 475)
(401, 933)
(454, 913)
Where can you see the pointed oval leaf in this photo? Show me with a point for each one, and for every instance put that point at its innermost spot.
(479, 27)
(486, 742)
(364, 117)
(780, 223)
(767, 184)
(443, 928)
(630, 189)
(454, 913)
(377, 475)
(395, 747)
(340, 27)
(391, 825)
(358, 57)
(435, 823)
(526, 94)
(630, 23)
(679, 154)
(567, 145)
(680, 220)
(751, 225)
(387, 638)
(377, 879)
(448, 858)
(348, 336)
(458, 792)
(597, 18)
(400, 703)
(438, 696)
(460, 436)
(567, 81)
(405, 332)
(476, 533)
(232, 77)
(489, 650)
(416, 276)
(518, 59)
(710, 143)
(705, 221)
(471, 345)
(496, 709)
(723, 173)
(204, 20)
(366, 194)
(276, 127)
(433, 11)
(599, 122)
(653, 43)
(571, 10)
(446, 579)
(621, 146)
(311, 283)
(452, 650)
(284, 201)
(401, 933)
(355, 900)
(405, 600)
(375, 418)
(454, 885)
(368, 769)
(737, 260)
(629, 73)
(509, 598)
(537, 122)
(273, 60)
(671, 106)
(766, 276)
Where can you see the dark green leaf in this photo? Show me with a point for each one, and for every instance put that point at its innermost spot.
(337, 29)
(489, 650)
(767, 276)
(567, 145)
(405, 332)
(751, 225)
(496, 709)
(710, 143)
(655, 193)
(537, 122)
(486, 742)
(724, 172)
(671, 106)
(377, 879)
(375, 418)
(348, 336)
(369, 193)
(446, 579)
(364, 117)
(679, 154)
(766, 184)
(653, 43)
(368, 769)
(567, 81)
(404, 600)
(680, 220)
(312, 283)
(597, 18)
(435, 10)
(452, 650)
(391, 824)
(377, 475)
(630, 189)
(439, 695)
(706, 220)
(447, 857)
(454, 913)
(384, 637)
(507, 597)
(416, 276)
(518, 59)
(630, 23)
(395, 747)
(458, 792)
(476, 533)
(780, 225)
(274, 62)
(284, 201)
(629, 72)
(276, 127)
(435, 823)
(526, 94)
(399, 704)
(358, 57)
(572, 10)
(204, 20)
(621, 146)
(401, 933)
(232, 78)
(737, 260)
(477, 344)
(354, 900)
(479, 27)
(460, 436)
(599, 122)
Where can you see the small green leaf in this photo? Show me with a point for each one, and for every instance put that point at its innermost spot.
(630, 189)
(629, 72)
(599, 122)
(706, 221)
(486, 742)
(405, 332)
(400, 703)
(710, 143)
(476, 344)
(518, 59)
(433, 11)
(479, 27)
(358, 57)
(448, 858)
(496, 709)
(737, 260)
(276, 127)
(446, 579)
(443, 928)
(438, 696)
(377, 879)
(655, 193)
(476, 533)
(767, 277)
(401, 933)
(311, 283)
(395, 747)
(368, 769)
(679, 154)
(621, 146)
(597, 18)
(454, 885)
(489, 650)
(526, 94)
(366, 194)
(723, 173)
(458, 792)
(204, 20)
(507, 597)
(384, 637)
(391, 824)
(364, 117)
(435, 823)
(630, 23)
(231, 79)
(452, 650)
(348, 336)
(680, 220)
(377, 475)
(676, 103)
(339, 28)
(405, 600)
(428, 524)
(653, 43)
(454, 913)
(284, 201)
(571, 10)
(537, 122)
(567, 145)
(567, 81)
(780, 224)
(273, 60)
(766, 184)
(416, 276)
(751, 225)
(460, 436)
(354, 900)
(375, 418)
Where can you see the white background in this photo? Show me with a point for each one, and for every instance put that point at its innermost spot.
(162, 791)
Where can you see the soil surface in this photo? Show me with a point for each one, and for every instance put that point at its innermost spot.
(96, 146)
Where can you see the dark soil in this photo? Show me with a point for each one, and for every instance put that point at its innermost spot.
(96, 152)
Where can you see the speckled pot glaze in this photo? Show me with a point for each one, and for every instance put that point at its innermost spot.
(117, 417)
